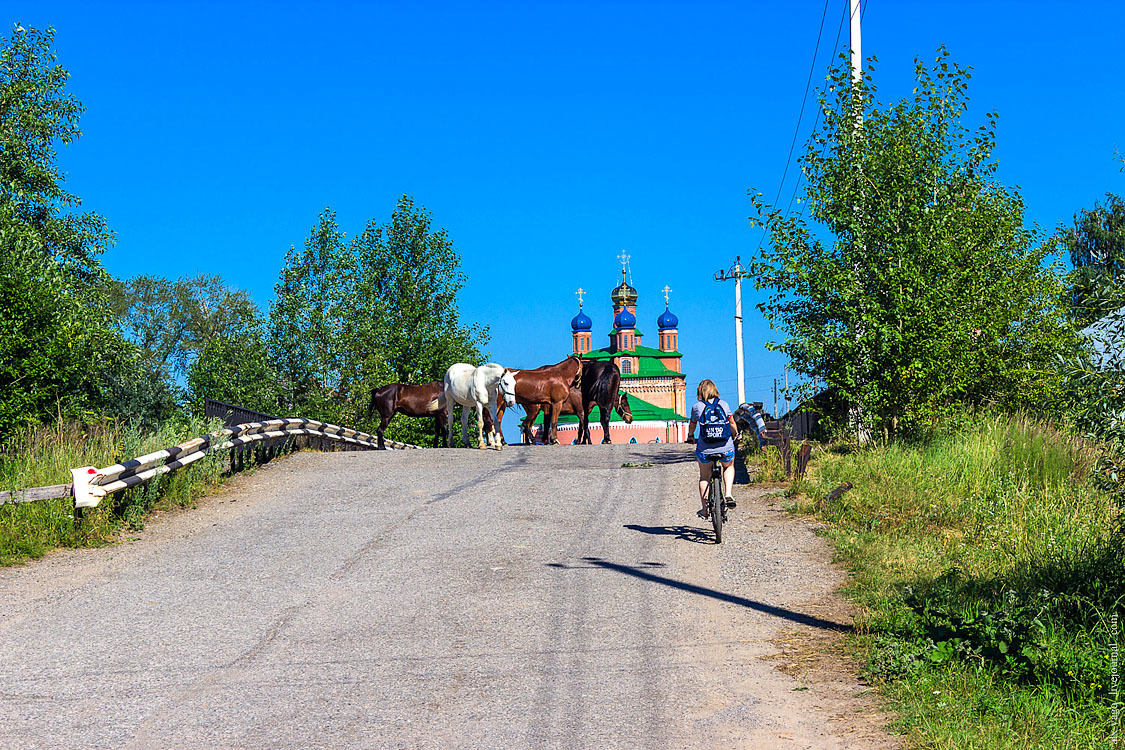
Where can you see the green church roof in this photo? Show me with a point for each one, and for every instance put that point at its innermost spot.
(648, 361)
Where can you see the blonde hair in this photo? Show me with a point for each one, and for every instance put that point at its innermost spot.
(706, 391)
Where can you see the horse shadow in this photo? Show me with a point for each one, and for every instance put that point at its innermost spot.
(684, 533)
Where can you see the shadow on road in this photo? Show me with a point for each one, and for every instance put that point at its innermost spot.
(686, 533)
(785, 614)
(666, 458)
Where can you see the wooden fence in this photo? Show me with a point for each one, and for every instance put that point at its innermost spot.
(90, 484)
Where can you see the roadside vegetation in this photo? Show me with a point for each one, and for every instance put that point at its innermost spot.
(978, 416)
(988, 569)
(95, 369)
(40, 456)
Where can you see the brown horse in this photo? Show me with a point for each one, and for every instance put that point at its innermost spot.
(411, 400)
(547, 386)
(573, 406)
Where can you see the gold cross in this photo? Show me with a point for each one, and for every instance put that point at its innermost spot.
(624, 260)
(666, 291)
(580, 293)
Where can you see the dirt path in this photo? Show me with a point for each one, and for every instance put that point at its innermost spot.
(779, 593)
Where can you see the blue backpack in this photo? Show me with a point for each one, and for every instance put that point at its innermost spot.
(714, 427)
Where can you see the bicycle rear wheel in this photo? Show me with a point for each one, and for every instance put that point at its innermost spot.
(717, 509)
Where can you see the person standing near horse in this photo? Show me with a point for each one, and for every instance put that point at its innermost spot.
(717, 435)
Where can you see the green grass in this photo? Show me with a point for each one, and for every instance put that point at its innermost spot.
(987, 569)
(44, 456)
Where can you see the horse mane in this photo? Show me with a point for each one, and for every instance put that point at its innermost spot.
(604, 390)
(492, 367)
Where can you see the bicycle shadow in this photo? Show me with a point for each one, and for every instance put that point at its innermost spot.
(684, 533)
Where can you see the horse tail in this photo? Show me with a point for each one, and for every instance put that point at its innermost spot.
(377, 393)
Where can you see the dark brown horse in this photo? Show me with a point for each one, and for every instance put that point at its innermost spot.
(573, 405)
(411, 400)
(601, 383)
(548, 387)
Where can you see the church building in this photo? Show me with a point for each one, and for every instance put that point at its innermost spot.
(651, 377)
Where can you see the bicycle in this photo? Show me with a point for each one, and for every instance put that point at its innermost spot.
(716, 501)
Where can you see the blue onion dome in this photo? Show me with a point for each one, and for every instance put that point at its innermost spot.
(667, 320)
(581, 322)
(623, 294)
(625, 319)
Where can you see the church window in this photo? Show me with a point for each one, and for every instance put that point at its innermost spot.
(626, 366)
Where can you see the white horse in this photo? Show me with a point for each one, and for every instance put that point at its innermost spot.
(466, 385)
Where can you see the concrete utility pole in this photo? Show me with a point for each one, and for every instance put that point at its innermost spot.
(856, 13)
(738, 273)
(857, 58)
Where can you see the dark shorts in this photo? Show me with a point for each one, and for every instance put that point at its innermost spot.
(704, 458)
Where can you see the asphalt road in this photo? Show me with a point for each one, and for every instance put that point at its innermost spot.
(534, 597)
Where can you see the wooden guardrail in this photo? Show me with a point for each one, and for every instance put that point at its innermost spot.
(90, 484)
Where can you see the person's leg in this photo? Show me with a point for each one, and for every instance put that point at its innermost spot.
(728, 479)
(704, 482)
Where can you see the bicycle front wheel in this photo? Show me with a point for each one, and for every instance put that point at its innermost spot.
(717, 508)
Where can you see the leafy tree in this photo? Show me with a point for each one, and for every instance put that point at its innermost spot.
(306, 324)
(382, 308)
(235, 367)
(403, 316)
(58, 345)
(173, 320)
(928, 290)
(1097, 250)
(36, 115)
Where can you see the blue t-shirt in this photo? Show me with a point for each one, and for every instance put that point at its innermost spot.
(697, 414)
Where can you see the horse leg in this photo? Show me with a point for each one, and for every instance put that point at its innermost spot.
(529, 423)
(605, 424)
(494, 436)
(480, 426)
(550, 414)
(384, 420)
(498, 407)
(439, 429)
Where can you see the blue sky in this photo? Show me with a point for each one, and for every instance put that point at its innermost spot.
(546, 137)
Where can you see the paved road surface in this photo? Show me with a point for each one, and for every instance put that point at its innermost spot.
(540, 597)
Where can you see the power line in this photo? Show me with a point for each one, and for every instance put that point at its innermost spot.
(804, 100)
(836, 46)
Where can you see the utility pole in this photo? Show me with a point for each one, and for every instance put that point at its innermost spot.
(857, 58)
(737, 273)
(786, 389)
(856, 14)
(775, 398)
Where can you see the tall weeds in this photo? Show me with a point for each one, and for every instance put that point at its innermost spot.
(985, 558)
(44, 456)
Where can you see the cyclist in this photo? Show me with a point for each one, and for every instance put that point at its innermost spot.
(715, 418)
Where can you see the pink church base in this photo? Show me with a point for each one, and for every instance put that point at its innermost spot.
(637, 432)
